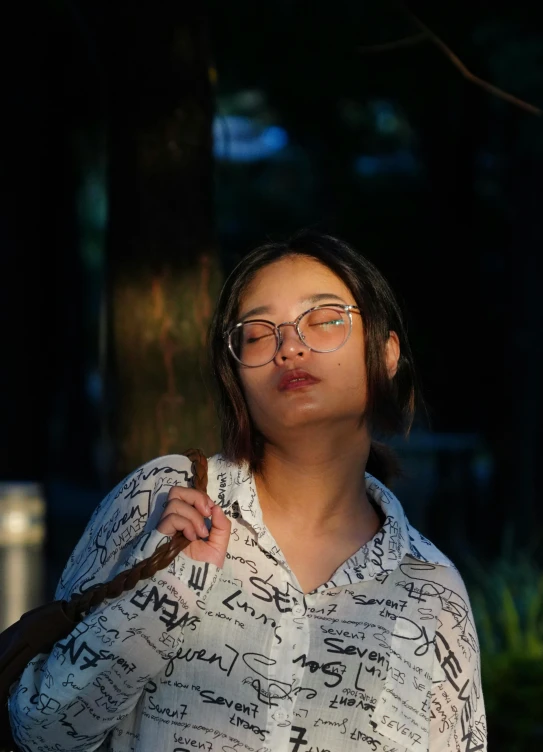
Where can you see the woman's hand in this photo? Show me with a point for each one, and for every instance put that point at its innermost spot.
(186, 510)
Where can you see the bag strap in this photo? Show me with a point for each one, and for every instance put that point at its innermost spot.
(162, 557)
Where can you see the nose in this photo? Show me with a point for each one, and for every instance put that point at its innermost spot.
(291, 345)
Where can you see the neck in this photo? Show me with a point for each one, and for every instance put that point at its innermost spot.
(317, 485)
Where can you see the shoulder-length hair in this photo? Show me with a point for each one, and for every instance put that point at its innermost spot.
(390, 402)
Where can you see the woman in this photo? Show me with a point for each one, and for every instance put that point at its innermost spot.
(312, 616)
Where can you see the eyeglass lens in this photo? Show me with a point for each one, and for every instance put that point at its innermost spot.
(325, 329)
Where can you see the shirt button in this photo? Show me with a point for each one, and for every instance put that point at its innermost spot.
(281, 715)
(298, 610)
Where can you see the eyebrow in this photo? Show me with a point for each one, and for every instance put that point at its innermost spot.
(312, 300)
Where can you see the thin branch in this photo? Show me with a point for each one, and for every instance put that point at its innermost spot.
(459, 65)
(426, 34)
(405, 42)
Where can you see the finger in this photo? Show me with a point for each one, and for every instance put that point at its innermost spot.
(219, 535)
(174, 523)
(185, 510)
(198, 499)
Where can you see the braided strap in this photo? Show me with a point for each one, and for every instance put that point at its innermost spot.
(163, 556)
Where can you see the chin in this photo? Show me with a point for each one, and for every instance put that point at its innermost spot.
(308, 416)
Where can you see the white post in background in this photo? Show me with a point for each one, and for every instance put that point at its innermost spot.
(22, 533)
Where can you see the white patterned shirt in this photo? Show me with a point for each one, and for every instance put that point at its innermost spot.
(383, 657)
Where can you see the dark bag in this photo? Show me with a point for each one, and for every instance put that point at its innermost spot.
(38, 630)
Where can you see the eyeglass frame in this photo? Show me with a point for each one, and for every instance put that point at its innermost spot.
(348, 309)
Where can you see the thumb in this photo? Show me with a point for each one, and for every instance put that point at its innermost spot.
(219, 535)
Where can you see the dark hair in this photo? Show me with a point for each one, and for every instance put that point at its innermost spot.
(390, 402)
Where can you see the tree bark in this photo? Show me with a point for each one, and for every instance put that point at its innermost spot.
(163, 269)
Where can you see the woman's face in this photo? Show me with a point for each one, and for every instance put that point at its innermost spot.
(337, 392)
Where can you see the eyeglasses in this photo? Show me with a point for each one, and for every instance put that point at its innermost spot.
(323, 329)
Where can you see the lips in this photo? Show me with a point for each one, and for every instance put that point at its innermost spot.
(296, 379)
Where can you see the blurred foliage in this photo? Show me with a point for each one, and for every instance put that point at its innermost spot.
(507, 600)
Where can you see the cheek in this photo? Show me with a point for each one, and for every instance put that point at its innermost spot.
(252, 385)
(351, 357)
(350, 372)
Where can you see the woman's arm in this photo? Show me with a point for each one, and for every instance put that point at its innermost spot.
(71, 698)
(458, 722)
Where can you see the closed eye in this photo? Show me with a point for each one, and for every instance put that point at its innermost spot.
(252, 340)
(334, 322)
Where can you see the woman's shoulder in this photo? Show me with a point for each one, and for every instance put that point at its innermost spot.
(428, 564)
(423, 549)
(133, 506)
(134, 494)
(419, 555)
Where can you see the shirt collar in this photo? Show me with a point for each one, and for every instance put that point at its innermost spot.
(403, 538)
(233, 487)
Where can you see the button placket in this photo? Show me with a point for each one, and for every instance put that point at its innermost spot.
(295, 637)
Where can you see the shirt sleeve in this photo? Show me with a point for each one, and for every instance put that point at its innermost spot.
(457, 720)
(71, 698)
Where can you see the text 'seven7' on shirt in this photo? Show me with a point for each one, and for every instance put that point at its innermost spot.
(382, 658)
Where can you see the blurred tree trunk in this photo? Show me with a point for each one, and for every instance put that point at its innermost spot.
(163, 269)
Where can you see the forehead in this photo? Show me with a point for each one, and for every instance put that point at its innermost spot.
(293, 277)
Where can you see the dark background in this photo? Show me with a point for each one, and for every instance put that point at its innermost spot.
(436, 179)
